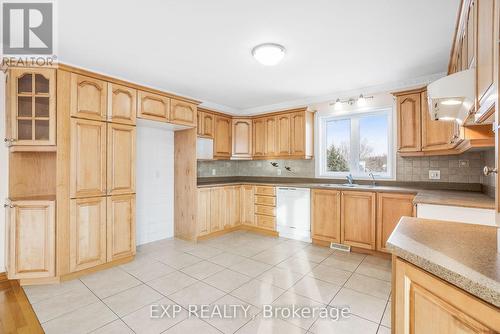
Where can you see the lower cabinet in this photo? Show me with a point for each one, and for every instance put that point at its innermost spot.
(218, 209)
(232, 197)
(247, 204)
(120, 226)
(87, 229)
(203, 211)
(325, 215)
(358, 219)
(390, 208)
(423, 303)
(30, 239)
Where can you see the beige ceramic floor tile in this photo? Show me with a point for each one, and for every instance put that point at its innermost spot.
(132, 299)
(36, 293)
(82, 320)
(192, 325)
(198, 293)
(269, 326)
(251, 267)
(238, 318)
(375, 271)
(176, 259)
(171, 283)
(363, 305)
(146, 269)
(352, 325)
(384, 330)
(386, 319)
(227, 259)
(330, 274)
(315, 289)
(109, 282)
(282, 278)
(369, 285)
(56, 306)
(115, 327)
(298, 265)
(257, 292)
(227, 280)
(204, 252)
(288, 299)
(141, 321)
(202, 269)
(344, 262)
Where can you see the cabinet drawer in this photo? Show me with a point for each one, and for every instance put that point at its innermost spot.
(265, 190)
(265, 222)
(265, 200)
(265, 210)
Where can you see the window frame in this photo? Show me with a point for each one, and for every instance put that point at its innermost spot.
(354, 117)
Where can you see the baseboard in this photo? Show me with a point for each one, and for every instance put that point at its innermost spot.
(259, 230)
(324, 243)
(218, 233)
(100, 267)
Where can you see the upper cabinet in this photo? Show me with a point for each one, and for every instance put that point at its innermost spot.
(242, 139)
(182, 113)
(120, 159)
(222, 140)
(436, 135)
(31, 101)
(122, 104)
(206, 124)
(409, 122)
(259, 138)
(271, 136)
(152, 106)
(88, 97)
(301, 134)
(283, 140)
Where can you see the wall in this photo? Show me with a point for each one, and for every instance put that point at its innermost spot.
(154, 182)
(4, 172)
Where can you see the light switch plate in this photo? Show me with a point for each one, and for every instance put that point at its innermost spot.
(214, 171)
(434, 175)
(279, 171)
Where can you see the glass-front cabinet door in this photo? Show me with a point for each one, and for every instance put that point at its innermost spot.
(32, 99)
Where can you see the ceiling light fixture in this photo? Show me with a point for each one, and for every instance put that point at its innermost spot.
(361, 101)
(451, 102)
(268, 54)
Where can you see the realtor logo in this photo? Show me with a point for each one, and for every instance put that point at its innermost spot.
(27, 28)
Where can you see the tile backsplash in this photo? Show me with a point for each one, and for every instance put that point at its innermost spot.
(464, 168)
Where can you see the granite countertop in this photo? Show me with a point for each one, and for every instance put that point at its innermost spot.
(455, 197)
(464, 255)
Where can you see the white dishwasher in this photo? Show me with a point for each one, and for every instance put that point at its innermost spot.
(293, 211)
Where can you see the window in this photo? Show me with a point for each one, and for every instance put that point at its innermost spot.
(356, 144)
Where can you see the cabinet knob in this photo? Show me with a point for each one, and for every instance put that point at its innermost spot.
(489, 170)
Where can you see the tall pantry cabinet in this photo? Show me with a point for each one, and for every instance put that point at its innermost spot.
(98, 163)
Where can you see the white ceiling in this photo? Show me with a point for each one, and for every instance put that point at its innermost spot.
(201, 48)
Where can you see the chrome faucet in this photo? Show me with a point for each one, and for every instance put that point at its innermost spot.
(373, 179)
(350, 179)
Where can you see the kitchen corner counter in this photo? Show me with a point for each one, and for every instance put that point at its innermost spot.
(464, 255)
(455, 198)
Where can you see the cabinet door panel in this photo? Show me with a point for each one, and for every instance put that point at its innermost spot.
(87, 231)
(485, 42)
(121, 159)
(271, 139)
(390, 209)
(222, 142)
(298, 134)
(31, 107)
(122, 104)
(88, 158)
(242, 139)
(217, 209)
(325, 208)
(120, 226)
(436, 135)
(153, 107)
(358, 219)
(206, 124)
(259, 137)
(232, 197)
(409, 123)
(88, 97)
(203, 217)
(247, 204)
(283, 135)
(183, 113)
(31, 240)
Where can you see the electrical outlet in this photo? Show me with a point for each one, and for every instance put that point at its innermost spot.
(214, 171)
(279, 171)
(463, 163)
(434, 175)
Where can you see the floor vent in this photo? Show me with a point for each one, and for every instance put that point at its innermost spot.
(340, 247)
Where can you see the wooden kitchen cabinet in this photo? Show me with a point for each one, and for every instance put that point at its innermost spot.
(242, 139)
(153, 106)
(485, 47)
(247, 204)
(31, 109)
(206, 124)
(183, 113)
(423, 303)
(222, 140)
(218, 209)
(409, 122)
(232, 197)
(203, 211)
(325, 215)
(87, 233)
(122, 104)
(88, 97)
(270, 136)
(358, 219)
(30, 236)
(121, 159)
(120, 222)
(301, 134)
(259, 138)
(436, 135)
(87, 158)
(283, 143)
(390, 208)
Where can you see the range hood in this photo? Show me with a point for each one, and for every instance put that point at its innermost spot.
(451, 98)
